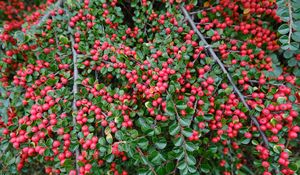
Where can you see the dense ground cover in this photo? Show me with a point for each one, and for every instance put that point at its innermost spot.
(149, 87)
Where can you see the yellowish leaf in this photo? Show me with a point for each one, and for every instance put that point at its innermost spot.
(246, 11)
(206, 4)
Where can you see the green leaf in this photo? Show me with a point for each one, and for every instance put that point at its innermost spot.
(174, 129)
(4, 145)
(296, 36)
(182, 165)
(187, 132)
(109, 138)
(178, 141)
(228, 90)
(181, 105)
(258, 108)
(170, 108)
(246, 141)
(110, 158)
(148, 104)
(68, 163)
(156, 158)
(285, 16)
(292, 46)
(11, 161)
(210, 32)
(296, 25)
(48, 152)
(296, 72)
(134, 133)
(102, 141)
(190, 147)
(3, 113)
(281, 9)
(293, 166)
(283, 29)
(49, 142)
(160, 143)
(185, 121)
(119, 135)
(205, 168)
(277, 149)
(254, 142)
(143, 143)
(213, 149)
(63, 39)
(192, 169)
(208, 117)
(292, 62)
(288, 53)
(281, 100)
(19, 35)
(283, 39)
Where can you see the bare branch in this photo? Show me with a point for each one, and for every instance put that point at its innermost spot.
(216, 58)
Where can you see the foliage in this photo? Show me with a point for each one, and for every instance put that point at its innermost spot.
(288, 11)
(127, 87)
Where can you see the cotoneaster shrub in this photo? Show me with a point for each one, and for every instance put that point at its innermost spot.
(127, 87)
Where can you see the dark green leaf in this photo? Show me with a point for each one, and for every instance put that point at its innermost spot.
(191, 160)
(178, 141)
(187, 132)
(160, 143)
(143, 143)
(283, 29)
(296, 36)
(174, 129)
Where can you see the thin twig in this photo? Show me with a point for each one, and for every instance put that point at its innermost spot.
(274, 84)
(216, 58)
(199, 11)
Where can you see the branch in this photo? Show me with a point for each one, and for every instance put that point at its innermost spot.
(199, 11)
(291, 21)
(215, 57)
(181, 129)
(75, 91)
(148, 163)
(274, 84)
